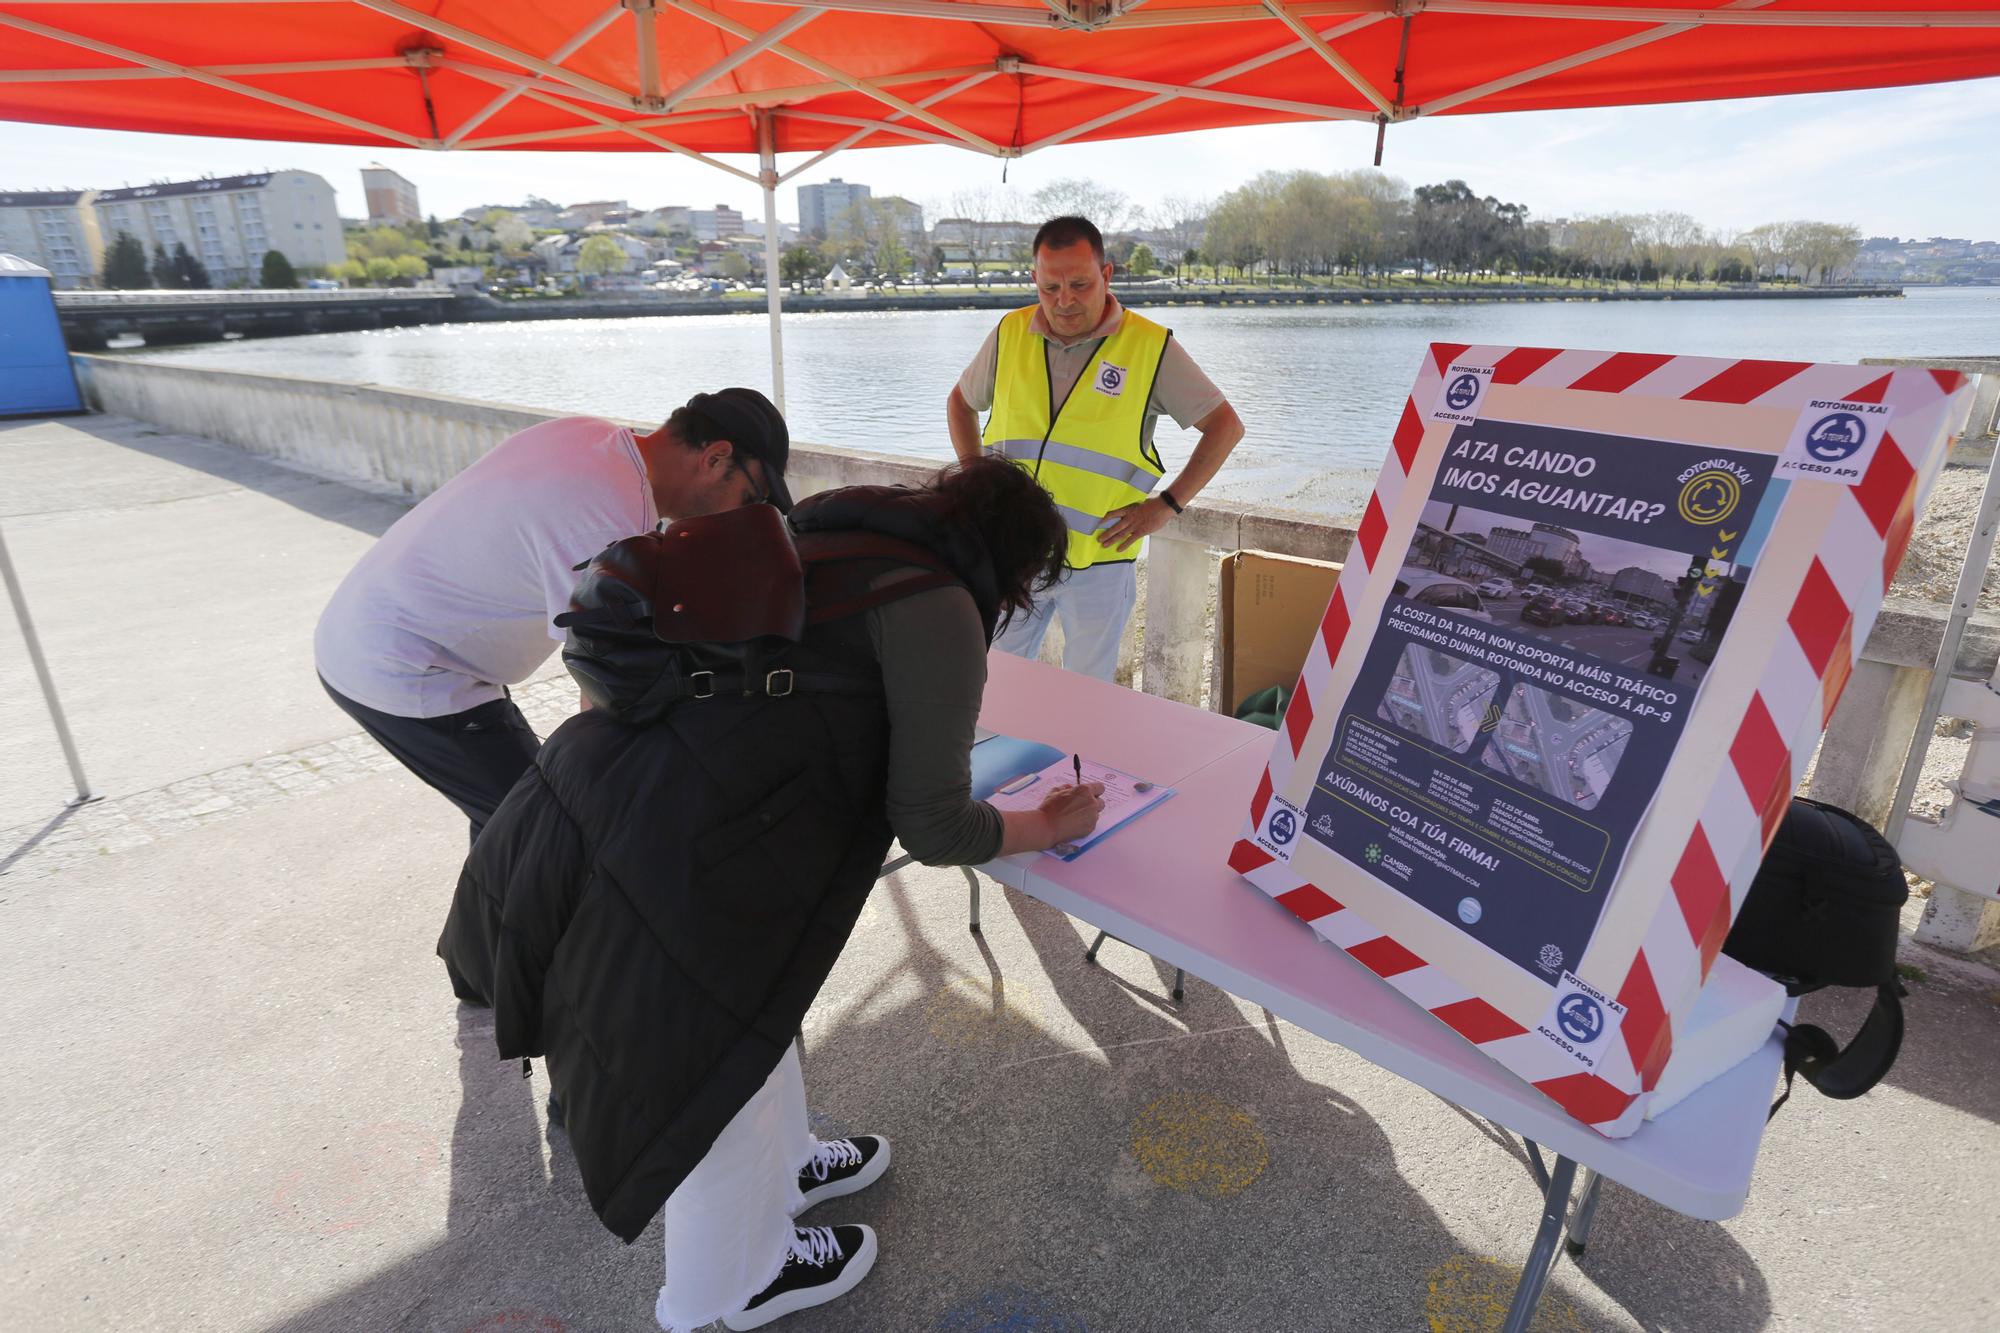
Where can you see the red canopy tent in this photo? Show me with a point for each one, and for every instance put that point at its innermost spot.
(999, 77)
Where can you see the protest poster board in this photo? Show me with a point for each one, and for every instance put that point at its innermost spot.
(1597, 612)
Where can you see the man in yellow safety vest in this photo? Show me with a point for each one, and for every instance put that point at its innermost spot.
(1075, 384)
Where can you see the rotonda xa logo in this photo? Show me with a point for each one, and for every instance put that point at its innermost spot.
(1284, 827)
(1462, 393)
(1581, 1018)
(1835, 436)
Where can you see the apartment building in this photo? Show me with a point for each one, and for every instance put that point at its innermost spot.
(392, 200)
(56, 229)
(821, 206)
(229, 222)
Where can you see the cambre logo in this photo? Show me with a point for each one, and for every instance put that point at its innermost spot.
(1111, 379)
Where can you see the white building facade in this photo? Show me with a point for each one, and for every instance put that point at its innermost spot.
(229, 222)
(56, 229)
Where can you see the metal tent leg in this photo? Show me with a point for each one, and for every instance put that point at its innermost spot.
(767, 176)
(1180, 975)
(41, 665)
(1586, 1213)
(1542, 1258)
(972, 878)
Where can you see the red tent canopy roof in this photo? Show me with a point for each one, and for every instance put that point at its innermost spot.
(996, 76)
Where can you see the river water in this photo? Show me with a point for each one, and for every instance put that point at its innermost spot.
(1319, 387)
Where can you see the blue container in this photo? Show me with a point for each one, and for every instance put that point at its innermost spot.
(35, 374)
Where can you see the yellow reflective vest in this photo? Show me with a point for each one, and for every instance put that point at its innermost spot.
(1089, 451)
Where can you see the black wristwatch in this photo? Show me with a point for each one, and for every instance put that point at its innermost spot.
(1172, 503)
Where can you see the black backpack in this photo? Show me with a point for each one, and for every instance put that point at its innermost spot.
(1825, 910)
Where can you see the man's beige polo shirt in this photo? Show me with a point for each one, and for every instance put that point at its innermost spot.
(1180, 390)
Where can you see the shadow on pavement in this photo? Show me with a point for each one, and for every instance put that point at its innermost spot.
(35, 839)
(338, 500)
(1170, 1169)
(1951, 1045)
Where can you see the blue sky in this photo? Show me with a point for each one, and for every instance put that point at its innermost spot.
(1903, 161)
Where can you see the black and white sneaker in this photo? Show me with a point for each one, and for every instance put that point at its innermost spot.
(823, 1263)
(842, 1166)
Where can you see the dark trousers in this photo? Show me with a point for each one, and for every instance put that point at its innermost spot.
(472, 758)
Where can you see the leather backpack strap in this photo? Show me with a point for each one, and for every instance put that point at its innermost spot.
(820, 548)
(1846, 1074)
(868, 601)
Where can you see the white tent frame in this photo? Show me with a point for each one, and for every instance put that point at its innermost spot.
(548, 81)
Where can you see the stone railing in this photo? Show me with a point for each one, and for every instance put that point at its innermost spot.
(413, 442)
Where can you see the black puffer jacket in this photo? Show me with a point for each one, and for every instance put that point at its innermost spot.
(655, 905)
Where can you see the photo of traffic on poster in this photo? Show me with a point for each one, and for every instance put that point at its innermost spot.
(1551, 622)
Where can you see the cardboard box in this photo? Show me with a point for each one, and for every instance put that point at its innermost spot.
(1269, 608)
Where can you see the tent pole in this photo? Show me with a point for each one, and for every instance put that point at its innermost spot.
(42, 673)
(767, 161)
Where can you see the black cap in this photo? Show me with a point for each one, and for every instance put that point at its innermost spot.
(750, 422)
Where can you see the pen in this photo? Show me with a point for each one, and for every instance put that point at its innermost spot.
(1077, 759)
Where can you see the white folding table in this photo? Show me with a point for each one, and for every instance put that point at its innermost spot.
(1163, 884)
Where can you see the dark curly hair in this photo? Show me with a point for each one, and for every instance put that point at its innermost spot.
(1020, 525)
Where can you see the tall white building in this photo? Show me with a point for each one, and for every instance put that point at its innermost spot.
(714, 224)
(392, 200)
(56, 229)
(820, 206)
(229, 222)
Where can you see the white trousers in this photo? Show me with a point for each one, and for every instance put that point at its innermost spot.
(1094, 604)
(729, 1224)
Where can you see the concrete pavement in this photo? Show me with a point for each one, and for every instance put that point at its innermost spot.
(241, 1095)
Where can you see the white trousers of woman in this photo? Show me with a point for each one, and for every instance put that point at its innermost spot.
(729, 1224)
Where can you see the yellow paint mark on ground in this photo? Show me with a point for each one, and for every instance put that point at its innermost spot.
(964, 1012)
(1189, 1141)
(1470, 1293)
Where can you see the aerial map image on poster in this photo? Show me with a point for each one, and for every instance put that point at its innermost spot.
(1557, 745)
(1551, 621)
(1439, 697)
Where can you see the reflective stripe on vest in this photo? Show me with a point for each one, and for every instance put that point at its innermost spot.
(1092, 457)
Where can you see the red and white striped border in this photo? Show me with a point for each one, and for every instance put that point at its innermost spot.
(1829, 624)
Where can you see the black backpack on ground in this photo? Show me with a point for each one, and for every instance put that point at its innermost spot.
(1825, 910)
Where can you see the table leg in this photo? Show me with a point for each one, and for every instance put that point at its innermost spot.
(1180, 974)
(1542, 1258)
(1586, 1212)
(1536, 1164)
(972, 878)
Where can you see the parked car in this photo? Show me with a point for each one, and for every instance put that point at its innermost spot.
(1497, 588)
(1610, 615)
(1692, 634)
(1543, 611)
(1580, 613)
(1446, 594)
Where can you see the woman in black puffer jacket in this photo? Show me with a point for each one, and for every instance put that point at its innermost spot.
(655, 905)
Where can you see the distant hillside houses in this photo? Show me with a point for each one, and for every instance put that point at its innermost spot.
(1941, 259)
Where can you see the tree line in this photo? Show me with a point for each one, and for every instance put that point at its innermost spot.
(1366, 223)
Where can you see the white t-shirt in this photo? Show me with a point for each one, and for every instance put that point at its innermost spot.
(457, 597)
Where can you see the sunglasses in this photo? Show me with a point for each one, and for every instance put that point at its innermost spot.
(760, 490)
